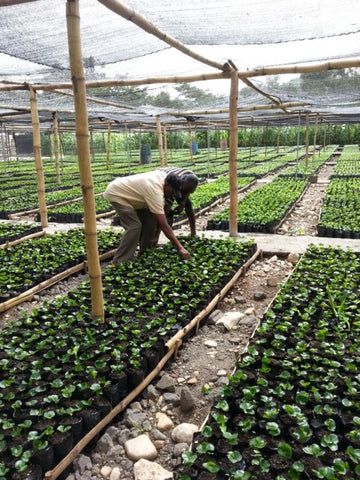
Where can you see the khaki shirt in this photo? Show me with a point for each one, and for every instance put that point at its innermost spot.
(143, 190)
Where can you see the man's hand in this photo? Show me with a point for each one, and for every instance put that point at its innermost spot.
(184, 254)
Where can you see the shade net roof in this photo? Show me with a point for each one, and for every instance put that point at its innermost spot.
(252, 34)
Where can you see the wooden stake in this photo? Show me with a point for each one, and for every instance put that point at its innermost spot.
(278, 139)
(108, 146)
(38, 159)
(190, 143)
(160, 142)
(315, 134)
(82, 137)
(53, 474)
(307, 141)
(233, 149)
(56, 147)
(165, 146)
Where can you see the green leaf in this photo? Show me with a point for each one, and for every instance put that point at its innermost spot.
(234, 456)
(205, 447)
(285, 450)
(223, 405)
(206, 431)
(189, 457)
(211, 467)
(257, 442)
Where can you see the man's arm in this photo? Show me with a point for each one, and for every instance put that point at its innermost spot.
(191, 216)
(165, 227)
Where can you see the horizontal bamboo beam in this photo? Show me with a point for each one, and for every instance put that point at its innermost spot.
(120, 83)
(275, 70)
(42, 233)
(240, 109)
(302, 68)
(65, 462)
(28, 294)
(8, 3)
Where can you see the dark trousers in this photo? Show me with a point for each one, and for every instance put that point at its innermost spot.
(139, 226)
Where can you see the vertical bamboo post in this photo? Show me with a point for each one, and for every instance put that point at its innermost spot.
(92, 145)
(251, 138)
(16, 147)
(82, 137)
(3, 147)
(160, 142)
(307, 140)
(233, 149)
(56, 147)
(278, 140)
(108, 146)
(190, 142)
(315, 134)
(324, 139)
(165, 146)
(38, 159)
(127, 148)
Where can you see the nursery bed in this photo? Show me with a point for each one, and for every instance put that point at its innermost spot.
(43, 337)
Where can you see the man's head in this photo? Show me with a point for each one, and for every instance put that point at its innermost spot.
(189, 183)
(172, 186)
(182, 185)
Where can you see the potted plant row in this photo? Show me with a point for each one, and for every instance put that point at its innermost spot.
(59, 368)
(341, 209)
(29, 263)
(262, 210)
(291, 410)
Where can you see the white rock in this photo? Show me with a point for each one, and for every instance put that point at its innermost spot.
(221, 373)
(140, 447)
(163, 422)
(192, 381)
(230, 319)
(183, 433)
(115, 474)
(250, 311)
(145, 470)
(210, 343)
(106, 471)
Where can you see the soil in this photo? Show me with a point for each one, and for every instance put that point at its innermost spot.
(203, 368)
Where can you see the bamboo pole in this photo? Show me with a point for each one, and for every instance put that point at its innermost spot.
(190, 143)
(108, 146)
(65, 462)
(56, 147)
(134, 17)
(239, 109)
(315, 134)
(278, 139)
(233, 148)
(165, 146)
(38, 159)
(82, 137)
(8, 244)
(275, 70)
(160, 142)
(7, 3)
(307, 140)
(324, 138)
(28, 294)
